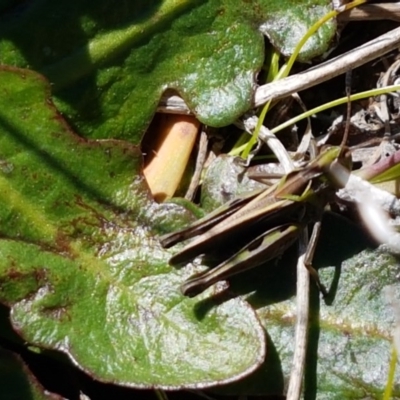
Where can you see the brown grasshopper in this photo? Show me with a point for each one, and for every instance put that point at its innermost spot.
(270, 219)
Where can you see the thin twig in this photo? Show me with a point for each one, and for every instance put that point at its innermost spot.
(372, 12)
(272, 142)
(302, 314)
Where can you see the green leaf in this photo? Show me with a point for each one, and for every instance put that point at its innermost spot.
(81, 266)
(354, 333)
(287, 22)
(223, 180)
(110, 62)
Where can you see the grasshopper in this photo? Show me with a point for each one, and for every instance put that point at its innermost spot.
(263, 223)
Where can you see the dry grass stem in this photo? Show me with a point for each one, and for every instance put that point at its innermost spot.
(372, 12)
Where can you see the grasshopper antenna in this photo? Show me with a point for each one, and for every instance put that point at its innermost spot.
(348, 112)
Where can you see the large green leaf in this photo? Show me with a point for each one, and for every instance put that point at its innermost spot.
(110, 61)
(81, 266)
(350, 339)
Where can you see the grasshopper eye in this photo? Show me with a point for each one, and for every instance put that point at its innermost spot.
(339, 171)
(346, 159)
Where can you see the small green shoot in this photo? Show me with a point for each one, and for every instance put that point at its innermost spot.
(326, 106)
(334, 103)
(387, 395)
(272, 61)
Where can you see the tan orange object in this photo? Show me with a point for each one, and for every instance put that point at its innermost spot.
(170, 156)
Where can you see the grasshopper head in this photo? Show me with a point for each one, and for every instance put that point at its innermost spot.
(339, 169)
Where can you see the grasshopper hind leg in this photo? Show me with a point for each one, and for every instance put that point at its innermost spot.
(308, 258)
